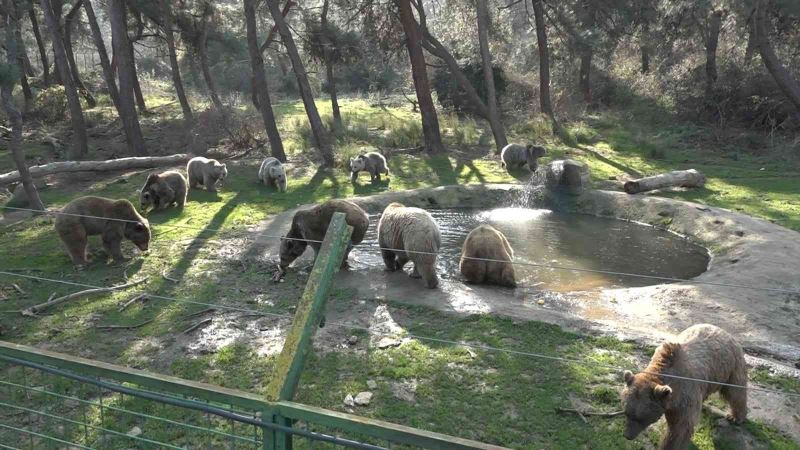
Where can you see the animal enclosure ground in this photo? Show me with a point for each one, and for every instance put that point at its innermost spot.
(205, 255)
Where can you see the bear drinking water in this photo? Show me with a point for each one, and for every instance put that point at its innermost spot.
(486, 242)
(410, 234)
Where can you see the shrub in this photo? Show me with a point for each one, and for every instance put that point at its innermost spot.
(51, 104)
(452, 96)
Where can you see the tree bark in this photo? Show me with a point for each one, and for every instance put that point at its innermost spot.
(136, 162)
(188, 117)
(544, 64)
(69, 24)
(121, 45)
(202, 53)
(108, 72)
(712, 40)
(430, 122)
(317, 128)
(644, 46)
(271, 36)
(80, 144)
(587, 15)
(326, 54)
(783, 78)
(680, 178)
(14, 116)
(488, 77)
(137, 88)
(20, 54)
(261, 90)
(40, 43)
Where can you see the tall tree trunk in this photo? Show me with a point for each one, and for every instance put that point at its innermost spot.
(188, 117)
(712, 40)
(69, 24)
(488, 77)
(751, 48)
(20, 54)
(202, 53)
(587, 16)
(261, 90)
(14, 116)
(137, 88)
(80, 144)
(121, 45)
(430, 122)
(544, 64)
(783, 78)
(326, 54)
(40, 43)
(108, 72)
(317, 128)
(644, 46)
(271, 36)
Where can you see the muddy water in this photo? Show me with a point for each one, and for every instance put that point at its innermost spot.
(568, 240)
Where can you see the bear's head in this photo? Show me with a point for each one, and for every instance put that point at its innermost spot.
(644, 401)
(220, 171)
(293, 244)
(357, 164)
(147, 198)
(139, 234)
(533, 153)
(278, 174)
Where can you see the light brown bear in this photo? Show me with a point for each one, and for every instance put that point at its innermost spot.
(112, 219)
(373, 163)
(162, 190)
(207, 172)
(702, 352)
(487, 242)
(514, 156)
(312, 224)
(410, 234)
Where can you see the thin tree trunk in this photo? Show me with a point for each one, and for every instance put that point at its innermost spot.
(644, 47)
(488, 77)
(188, 117)
(783, 78)
(326, 54)
(317, 128)
(712, 40)
(430, 122)
(23, 77)
(271, 36)
(202, 53)
(14, 116)
(80, 145)
(40, 43)
(544, 64)
(587, 12)
(108, 72)
(751, 48)
(69, 24)
(121, 45)
(261, 90)
(137, 88)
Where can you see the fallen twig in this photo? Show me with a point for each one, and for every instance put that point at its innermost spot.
(124, 327)
(197, 325)
(589, 413)
(17, 288)
(42, 306)
(133, 300)
(198, 313)
(164, 275)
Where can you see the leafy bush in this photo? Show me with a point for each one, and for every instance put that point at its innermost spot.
(453, 97)
(51, 104)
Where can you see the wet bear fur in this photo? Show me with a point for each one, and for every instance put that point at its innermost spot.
(163, 189)
(207, 172)
(272, 173)
(312, 224)
(514, 156)
(403, 231)
(374, 163)
(74, 230)
(704, 352)
(487, 242)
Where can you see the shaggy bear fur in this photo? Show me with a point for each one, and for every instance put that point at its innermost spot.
(74, 230)
(487, 242)
(514, 156)
(702, 352)
(206, 172)
(272, 173)
(163, 190)
(404, 231)
(372, 162)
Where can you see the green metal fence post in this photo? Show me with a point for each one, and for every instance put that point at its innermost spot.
(307, 317)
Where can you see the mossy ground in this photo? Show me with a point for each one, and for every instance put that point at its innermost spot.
(495, 397)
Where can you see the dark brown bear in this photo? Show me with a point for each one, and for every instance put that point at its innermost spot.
(161, 190)
(701, 352)
(312, 224)
(486, 242)
(112, 219)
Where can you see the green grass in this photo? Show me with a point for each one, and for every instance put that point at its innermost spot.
(496, 397)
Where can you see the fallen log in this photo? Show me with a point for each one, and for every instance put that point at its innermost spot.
(136, 162)
(681, 178)
(33, 310)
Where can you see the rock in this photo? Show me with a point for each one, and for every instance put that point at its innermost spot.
(541, 301)
(352, 340)
(387, 342)
(348, 401)
(363, 398)
(405, 391)
(134, 432)
(727, 435)
(372, 384)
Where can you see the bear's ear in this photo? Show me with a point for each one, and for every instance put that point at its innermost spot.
(628, 377)
(662, 392)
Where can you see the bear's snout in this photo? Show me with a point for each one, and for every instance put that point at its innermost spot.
(632, 429)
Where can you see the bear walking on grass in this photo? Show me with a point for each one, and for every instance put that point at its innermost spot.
(486, 242)
(410, 234)
(207, 172)
(163, 189)
(372, 163)
(702, 352)
(272, 173)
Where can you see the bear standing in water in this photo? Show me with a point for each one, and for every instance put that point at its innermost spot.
(702, 352)
(112, 219)
(410, 234)
(486, 242)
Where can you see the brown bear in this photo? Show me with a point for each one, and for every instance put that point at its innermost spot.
(112, 219)
(207, 172)
(702, 352)
(163, 189)
(410, 234)
(373, 163)
(487, 242)
(514, 156)
(312, 224)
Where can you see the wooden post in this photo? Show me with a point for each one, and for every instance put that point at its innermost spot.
(306, 320)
